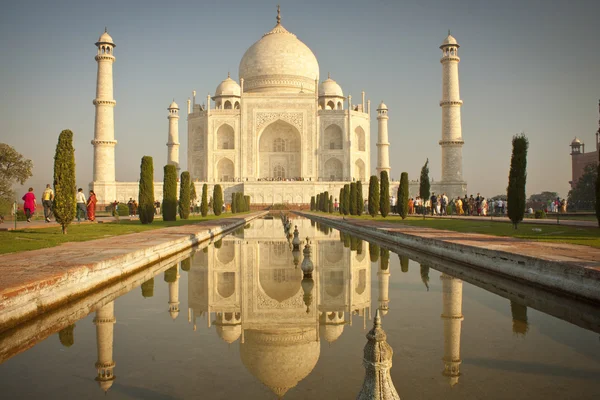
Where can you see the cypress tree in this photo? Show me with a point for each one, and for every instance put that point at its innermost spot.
(330, 204)
(193, 194)
(402, 197)
(373, 196)
(246, 202)
(217, 200)
(360, 204)
(515, 193)
(326, 202)
(234, 206)
(169, 207)
(64, 180)
(340, 201)
(312, 203)
(184, 195)
(146, 193)
(346, 199)
(384, 195)
(374, 252)
(353, 198)
(204, 202)
(424, 185)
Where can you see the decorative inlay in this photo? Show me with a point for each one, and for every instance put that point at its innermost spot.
(264, 118)
(267, 302)
(104, 57)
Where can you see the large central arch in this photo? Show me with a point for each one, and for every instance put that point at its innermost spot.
(279, 151)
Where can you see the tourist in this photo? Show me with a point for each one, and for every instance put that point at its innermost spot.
(563, 206)
(411, 206)
(484, 206)
(91, 206)
(459, 206)
(47, 199)
(29, 204)
(130, 206)
(81, 205)
(156, 207)
(443, 204)
(135, 207)
(433, 202)
(336, 205)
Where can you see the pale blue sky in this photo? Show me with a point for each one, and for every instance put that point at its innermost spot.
(526, 65)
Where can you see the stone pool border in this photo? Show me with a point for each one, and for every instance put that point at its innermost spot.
(575, 279)
(106, 263)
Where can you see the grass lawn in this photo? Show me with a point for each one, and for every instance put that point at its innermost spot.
(33, 239)
(530, 231)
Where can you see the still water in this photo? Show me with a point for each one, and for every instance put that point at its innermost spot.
(232, 320)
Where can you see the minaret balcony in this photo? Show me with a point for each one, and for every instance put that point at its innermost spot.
(102, 102)
(459, 142)
(451, 103)
(449, 58)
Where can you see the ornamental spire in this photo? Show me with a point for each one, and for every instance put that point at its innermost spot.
(278, 14)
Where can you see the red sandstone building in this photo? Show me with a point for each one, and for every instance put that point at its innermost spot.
(579, 158)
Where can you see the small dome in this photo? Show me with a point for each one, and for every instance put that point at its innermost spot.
(449, 41)
(174, 314)
(382, 106)
(174, 105)
(331, 333)
(228, 87)
(105, 38)
(330, 88)
(229, 333)
(576, 141)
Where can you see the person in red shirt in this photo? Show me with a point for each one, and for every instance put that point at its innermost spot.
(29, 204)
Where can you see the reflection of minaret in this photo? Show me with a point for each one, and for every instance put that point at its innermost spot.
(377, 361)
(105, 318)
(452, 317)
(174, 294)
(384, 284)
(519, 318)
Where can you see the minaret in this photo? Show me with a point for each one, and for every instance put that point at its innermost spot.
(384, 284)
(173, 143)
(383, 146)
(451, 124)
(105, 318)
(174, 295)
(452, 317)
(377, 360)
(104, 128)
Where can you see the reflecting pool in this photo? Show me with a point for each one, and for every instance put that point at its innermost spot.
(236, 319)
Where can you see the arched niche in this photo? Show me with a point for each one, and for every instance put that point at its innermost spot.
(225, 170)
(359, 170)
(225, 137)
(359, 138)
(333, 170)
(226, 284)
(334, 138)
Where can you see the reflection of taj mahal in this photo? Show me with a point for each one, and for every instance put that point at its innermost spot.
(256, 294)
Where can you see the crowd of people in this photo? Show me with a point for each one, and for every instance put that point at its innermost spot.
(86, 208)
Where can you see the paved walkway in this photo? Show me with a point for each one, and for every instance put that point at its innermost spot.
(39, 224)
(551, 220)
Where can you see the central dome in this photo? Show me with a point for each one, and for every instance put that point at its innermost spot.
(279, 62)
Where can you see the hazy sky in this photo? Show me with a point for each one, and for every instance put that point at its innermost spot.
(526, 65)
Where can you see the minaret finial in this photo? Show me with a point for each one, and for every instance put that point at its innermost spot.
(228, 74)
(377, 321)
(448, 32)
(278, 14)
(105, 30)
(328, 75)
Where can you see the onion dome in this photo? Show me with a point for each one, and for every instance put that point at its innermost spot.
(449, 41)
(105, 38)
(576, 141)
(382, 106)
(229, 333)
(330, 88)
(228, 87)
(173, 105)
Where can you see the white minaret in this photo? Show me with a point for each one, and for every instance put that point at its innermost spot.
(451, 103)
(104, 321)
(452, 317)
(174, 296)
(383, 146)
(104, 128)
(173, 143)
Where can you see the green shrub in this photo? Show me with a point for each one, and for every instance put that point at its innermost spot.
(360, 204)
(373, 196)
(384, 195)
(540, 214)
(204, 202)
(64, 180)
(123, 209)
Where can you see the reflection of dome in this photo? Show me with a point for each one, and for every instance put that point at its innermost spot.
(331, 326)
(280, 283)
(280, 358)
(330, 88)
(229, 333)
(279, 62)
(228, 87)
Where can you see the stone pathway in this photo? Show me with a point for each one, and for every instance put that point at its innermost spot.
(548, 221)
(40, 224)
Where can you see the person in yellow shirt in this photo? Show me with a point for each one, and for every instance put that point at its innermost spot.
(47, 202)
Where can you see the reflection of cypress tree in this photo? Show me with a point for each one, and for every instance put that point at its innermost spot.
(312, 223)
(205, 250)
(171, 274)
(359, 246)
(519, 317)
(66, 337)
(374, 252)
(218, 243)
(403, 263)
(425, 275)
(346, 240)
(353, 243)
(385, 259)
(342, 236)
(186, 264)
(148, 288)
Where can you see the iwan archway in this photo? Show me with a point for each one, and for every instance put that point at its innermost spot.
(279, 152)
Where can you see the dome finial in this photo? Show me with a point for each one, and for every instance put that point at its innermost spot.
(228, 74)
(278, 14)
(448, 32)
(105, 30)
(328, 75)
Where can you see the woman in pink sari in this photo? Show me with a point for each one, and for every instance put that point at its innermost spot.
(91, 206)
(29, 204)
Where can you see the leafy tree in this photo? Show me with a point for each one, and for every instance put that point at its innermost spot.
(353, 198)
(312, 203)
(374, 252)
(517, 177)
(582, 196)
(384, 195)
(146, 192)
(66, 336)
(402, 197)
(330, 204)
(184, 195)
(424, 184)
(204, 202)
(373, 196)
(14, 168)
(340, 198)
(148, 288)
(217, 200)
(359, 198)
(169, 206)
(64, 180)
(346, 199)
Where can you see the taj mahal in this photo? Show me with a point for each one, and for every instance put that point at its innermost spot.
(279, 134)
